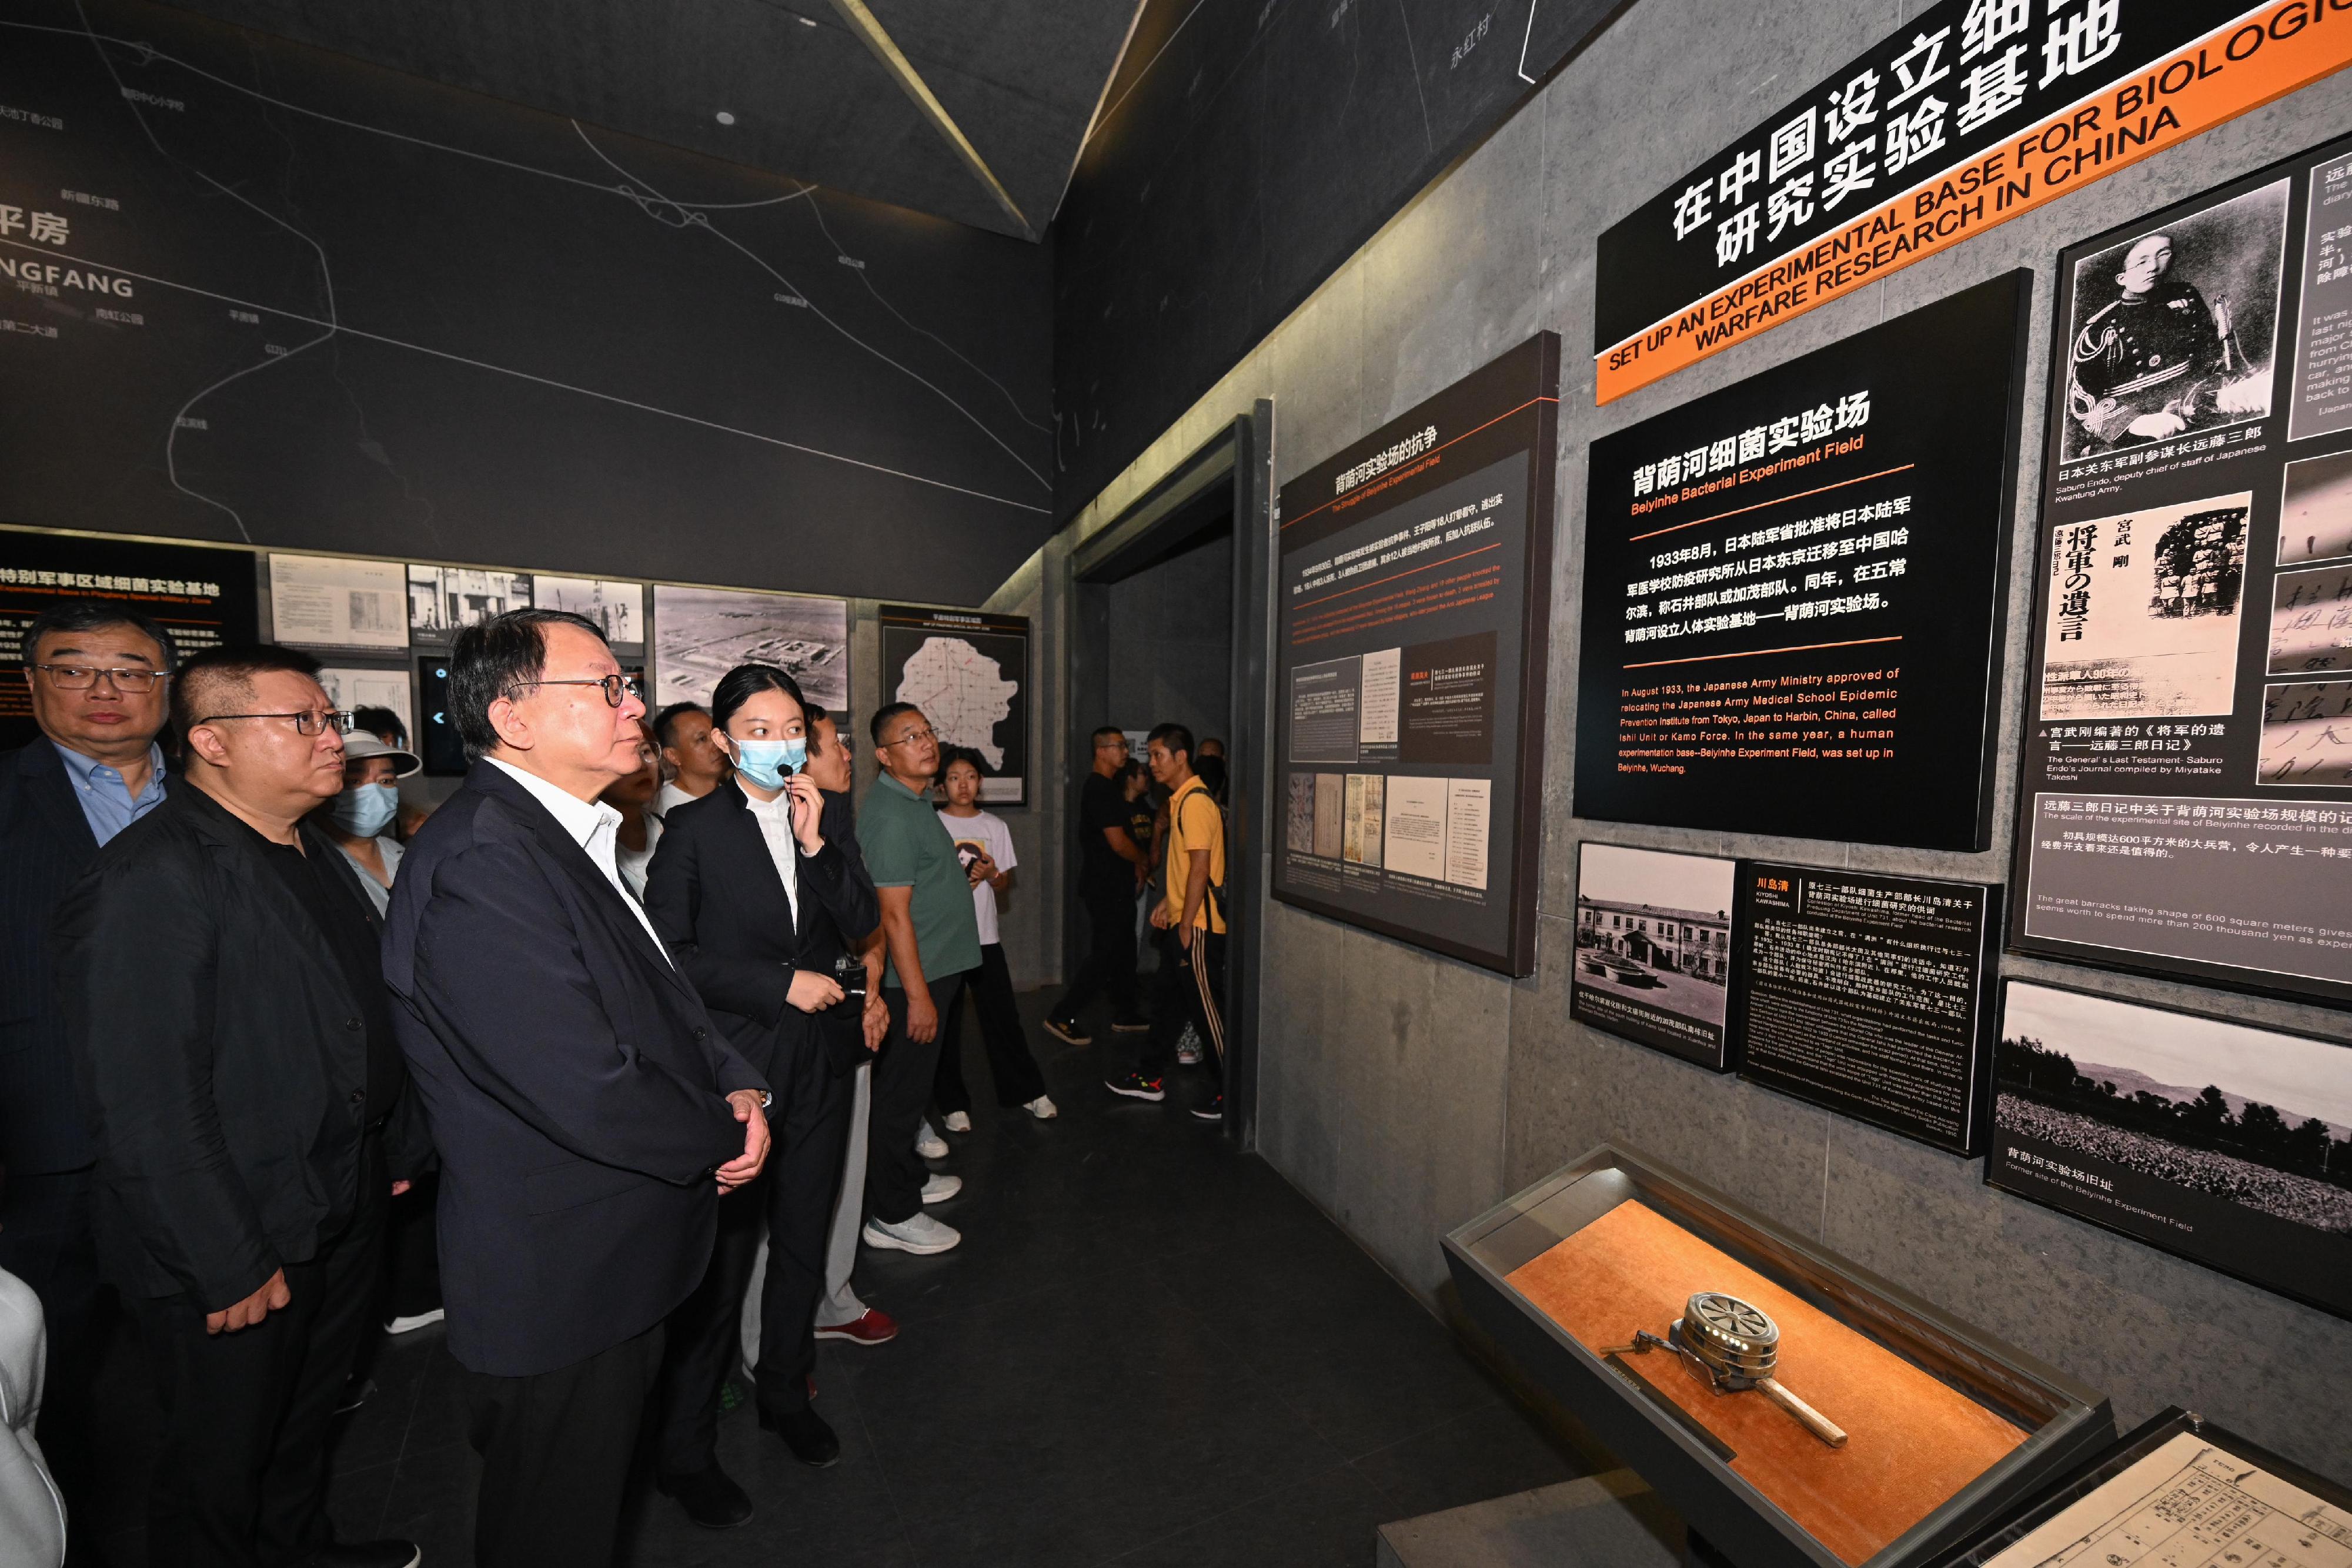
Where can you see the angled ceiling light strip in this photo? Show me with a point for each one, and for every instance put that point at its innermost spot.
(1103, 98)
(863, 23)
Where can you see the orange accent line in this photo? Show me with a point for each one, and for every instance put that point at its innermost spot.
(1392, 576)
(1760, 653)
(1800, 495)
(1439, 447)
(2218, 89)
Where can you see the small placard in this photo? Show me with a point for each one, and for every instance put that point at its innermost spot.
(1868, 995)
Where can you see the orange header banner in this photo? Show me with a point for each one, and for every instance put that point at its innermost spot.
(2262, 55)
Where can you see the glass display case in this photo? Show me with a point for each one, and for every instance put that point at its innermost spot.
(1794, 1408)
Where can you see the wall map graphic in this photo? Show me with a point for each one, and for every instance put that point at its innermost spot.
(257, 293)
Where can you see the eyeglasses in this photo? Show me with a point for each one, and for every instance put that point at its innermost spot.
(912, 735)
(80, 678)
(304, 723)
(618, 689)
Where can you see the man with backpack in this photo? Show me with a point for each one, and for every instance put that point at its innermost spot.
(1190, 919)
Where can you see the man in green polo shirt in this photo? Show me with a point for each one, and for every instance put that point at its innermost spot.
(933, 938)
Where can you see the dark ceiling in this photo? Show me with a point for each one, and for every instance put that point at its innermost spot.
(809, 98)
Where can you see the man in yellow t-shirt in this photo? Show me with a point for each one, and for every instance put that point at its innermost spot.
(1190, 919)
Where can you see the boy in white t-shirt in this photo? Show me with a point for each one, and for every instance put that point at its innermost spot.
(986, 846)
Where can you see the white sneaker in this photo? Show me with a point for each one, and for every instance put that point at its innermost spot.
(409, 1324)
(1042, 1108)
(931, 1145)
(1187, 1046)
(941, 1187)
(957, 1122)
(920, 1234)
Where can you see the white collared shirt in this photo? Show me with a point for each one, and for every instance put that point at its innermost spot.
(595, 827)
(775, 820)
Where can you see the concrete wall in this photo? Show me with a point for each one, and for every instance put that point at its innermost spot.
(1172, 642)
(1029, 917)
(1405, 1092)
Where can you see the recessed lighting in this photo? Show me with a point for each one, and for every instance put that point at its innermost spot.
(808, 21)
(725, 118)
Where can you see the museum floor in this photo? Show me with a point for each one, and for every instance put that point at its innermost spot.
(1148, 1350)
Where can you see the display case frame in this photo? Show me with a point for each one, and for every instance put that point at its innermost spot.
(2064, 1420)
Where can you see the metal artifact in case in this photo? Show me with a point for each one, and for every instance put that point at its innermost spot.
(1799, 1410)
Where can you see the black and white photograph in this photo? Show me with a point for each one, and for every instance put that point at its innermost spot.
(2311, 622)
(618, 609)
(1367, 813)
(2228, 1144)
(2143, 612)
(1298, 822)
(2315, 512)
(1330, 814)
(444, 599)
(2174, 330)
(1653, 948)
(700, 633)
(350, 688)
(2307, 733)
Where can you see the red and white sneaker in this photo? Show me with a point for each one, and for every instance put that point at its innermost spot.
(876, 1327)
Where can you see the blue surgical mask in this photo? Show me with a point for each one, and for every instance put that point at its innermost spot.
(363, 810)
(767, 762)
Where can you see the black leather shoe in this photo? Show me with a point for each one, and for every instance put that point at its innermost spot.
(710, 1498)
(804, 1432)
(369, 1554)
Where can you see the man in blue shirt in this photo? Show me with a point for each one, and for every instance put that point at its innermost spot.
(101, 679)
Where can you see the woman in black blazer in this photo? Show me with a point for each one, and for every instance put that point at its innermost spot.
(764, 961)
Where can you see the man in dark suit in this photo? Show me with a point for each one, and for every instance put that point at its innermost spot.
(762, 909)
(216, 969)
(587, 1113)
(99, 678)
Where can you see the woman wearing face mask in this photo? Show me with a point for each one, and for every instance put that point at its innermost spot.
(761, 908)
(360, 819)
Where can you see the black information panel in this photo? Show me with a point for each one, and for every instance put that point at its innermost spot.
(1412, 581)
(969, 675)
(204, 598)
(1869, 995)
(2214, 1140)
(1791, 589)
(2185, 806)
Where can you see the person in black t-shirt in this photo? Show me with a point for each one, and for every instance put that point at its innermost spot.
(1135, 784)
(1111, 866)
(219, 976)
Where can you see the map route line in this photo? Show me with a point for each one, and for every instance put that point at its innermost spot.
(699, 220)
(346, 330)
(691, 210)
(326, 279)
(149, 53)
(817, 211)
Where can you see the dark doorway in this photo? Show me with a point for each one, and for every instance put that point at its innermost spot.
(1167, 618)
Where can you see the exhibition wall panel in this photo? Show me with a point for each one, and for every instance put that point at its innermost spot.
(1405, 1092)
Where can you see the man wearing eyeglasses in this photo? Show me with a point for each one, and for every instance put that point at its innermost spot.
(98, 678)
(218, 969)
(588, 1113)
(932, 938)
